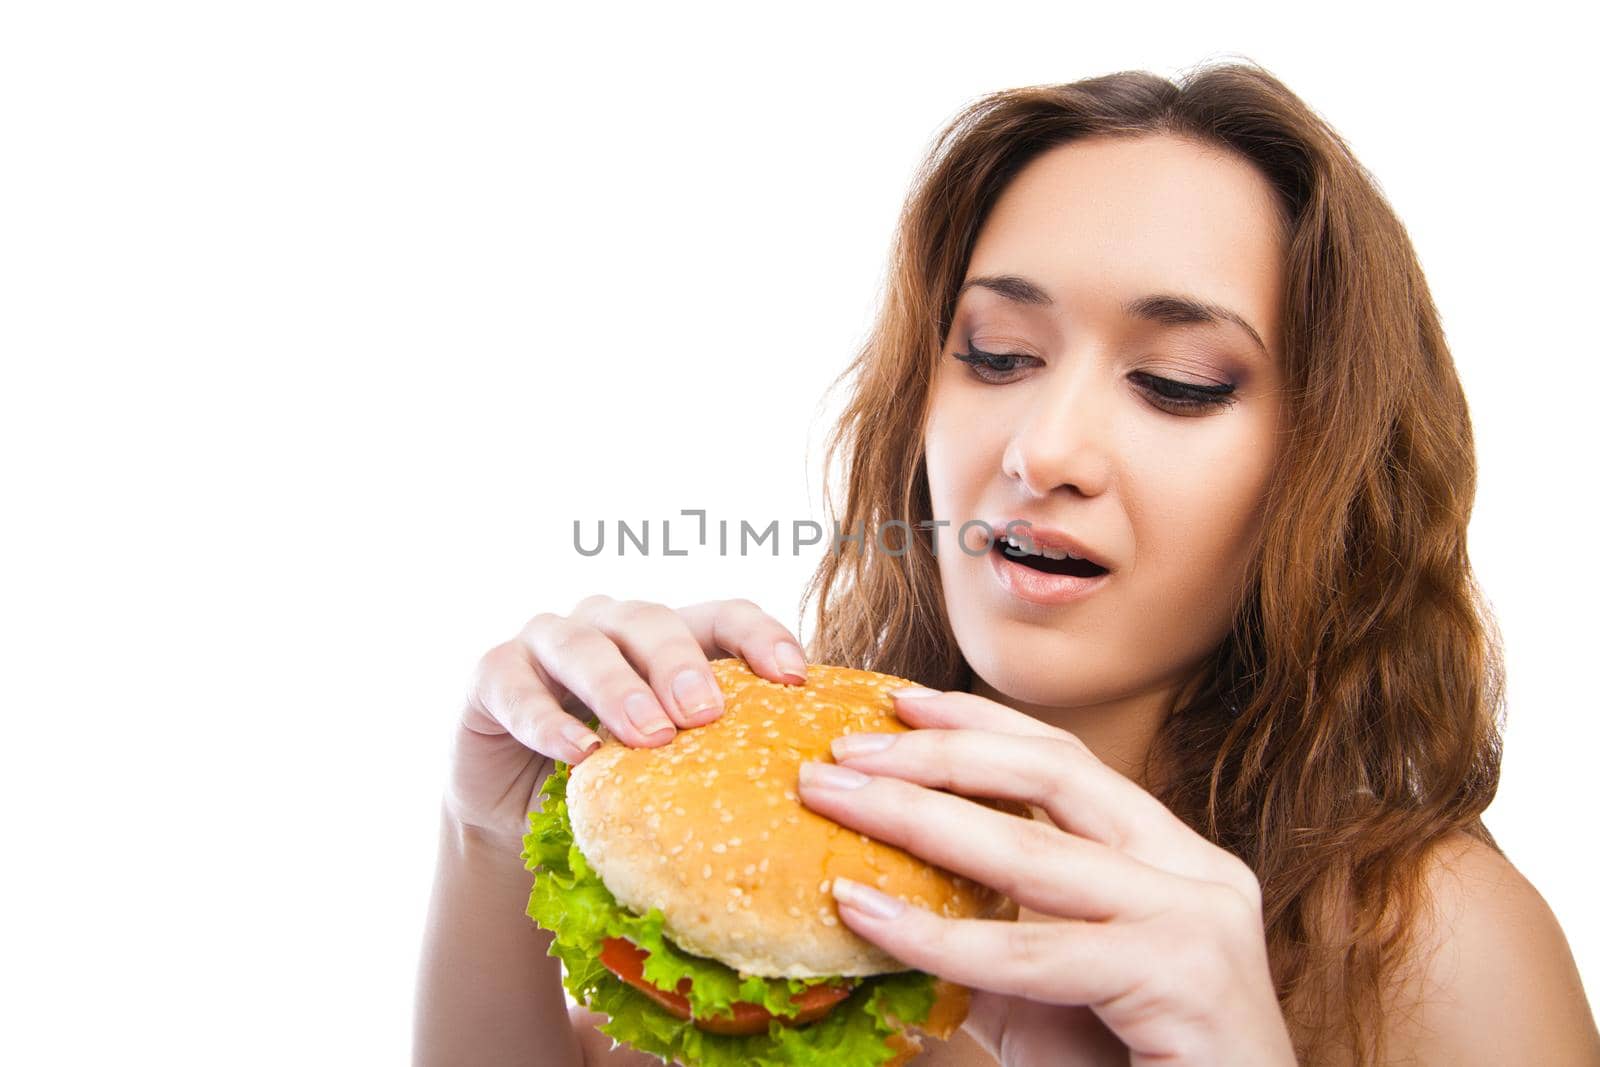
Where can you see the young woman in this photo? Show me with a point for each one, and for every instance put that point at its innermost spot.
(1176, 330)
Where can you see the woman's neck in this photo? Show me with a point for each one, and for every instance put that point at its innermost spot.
(1119, 732)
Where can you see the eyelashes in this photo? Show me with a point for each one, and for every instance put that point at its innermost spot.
(998, 368)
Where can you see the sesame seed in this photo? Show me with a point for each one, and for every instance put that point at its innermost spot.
(719, 847)
(823, 888)
(705, 872)
(883, 879)
(763, 865)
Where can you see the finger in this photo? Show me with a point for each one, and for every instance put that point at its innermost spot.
(916, 706)
(1079, 793)
(589, 665)
(742, 628)
(1064, 874)
(507, 697)
(662, 649)
(1062, 962)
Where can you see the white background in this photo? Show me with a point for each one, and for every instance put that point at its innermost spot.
(321, 322)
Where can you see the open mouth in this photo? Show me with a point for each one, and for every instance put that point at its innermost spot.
(1078, 568)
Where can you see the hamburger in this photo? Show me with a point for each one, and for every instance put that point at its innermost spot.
(687, 888)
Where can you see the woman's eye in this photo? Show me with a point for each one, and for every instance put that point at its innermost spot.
(991, 366)
(1183, 398)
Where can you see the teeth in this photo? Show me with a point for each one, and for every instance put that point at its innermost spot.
(1038, 550)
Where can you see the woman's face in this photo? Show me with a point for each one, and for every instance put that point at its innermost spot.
(1081, 434)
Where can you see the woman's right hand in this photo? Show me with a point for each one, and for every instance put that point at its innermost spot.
(643, 669)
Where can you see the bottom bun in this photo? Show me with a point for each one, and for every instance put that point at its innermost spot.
(949, 1011)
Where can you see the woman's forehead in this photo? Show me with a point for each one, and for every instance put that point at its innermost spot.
(1101, 222)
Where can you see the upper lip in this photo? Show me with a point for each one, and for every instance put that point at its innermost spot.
(1050, 537)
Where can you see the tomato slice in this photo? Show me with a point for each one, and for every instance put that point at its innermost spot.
(626, 960)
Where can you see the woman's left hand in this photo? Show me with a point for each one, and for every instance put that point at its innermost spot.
(1159, 932)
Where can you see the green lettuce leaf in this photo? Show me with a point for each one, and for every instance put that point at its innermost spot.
(569, 900)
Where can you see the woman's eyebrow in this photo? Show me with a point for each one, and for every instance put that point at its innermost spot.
(1167, 309)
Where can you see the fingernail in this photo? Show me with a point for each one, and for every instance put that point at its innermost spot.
(694, 692)
(646, 714)
(860, 744)
(831, 775)
(791, 661)
(913, 692)
(865, 898)
(579, 737)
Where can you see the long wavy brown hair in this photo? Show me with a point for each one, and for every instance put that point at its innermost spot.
(1351, 719)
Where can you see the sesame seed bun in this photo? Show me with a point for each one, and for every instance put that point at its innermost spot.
(709, 829)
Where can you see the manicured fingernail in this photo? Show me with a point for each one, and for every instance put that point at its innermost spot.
(579, 737)
(867, 899)
(831, 775)
(791, 661)
(646, 714)
(860, 744)
(695, 693)
(913, 692)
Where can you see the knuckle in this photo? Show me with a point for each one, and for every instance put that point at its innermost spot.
(639, 612)
(546, 735)
(1245, 882)
(593, 604)
(541, 626)
(1072, 744)
(541, 620)
(612, 691)
(1025, 947)
(941, 754)
(491, 665)
(570, 640)
(1230, 913)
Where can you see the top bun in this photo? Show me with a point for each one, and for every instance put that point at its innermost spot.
(709, 829)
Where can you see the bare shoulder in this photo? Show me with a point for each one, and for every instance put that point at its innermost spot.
(1493, 980)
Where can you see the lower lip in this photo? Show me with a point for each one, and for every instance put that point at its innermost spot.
(1037, 587)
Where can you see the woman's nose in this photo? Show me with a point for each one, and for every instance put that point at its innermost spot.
(1063, 440)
